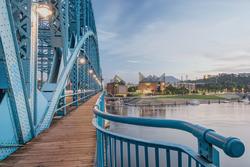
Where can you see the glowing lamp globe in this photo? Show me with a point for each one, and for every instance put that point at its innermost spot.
(44, 10)
(91, 71)
(82, 60)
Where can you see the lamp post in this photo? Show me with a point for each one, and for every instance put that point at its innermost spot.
(81, 61)
(39, 10)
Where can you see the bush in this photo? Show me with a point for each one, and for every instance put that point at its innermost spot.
(170, 90)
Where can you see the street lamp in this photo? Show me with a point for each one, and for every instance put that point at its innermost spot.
(44, 10)
(91, 71)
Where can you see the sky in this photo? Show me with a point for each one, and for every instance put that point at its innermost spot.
(176, 37)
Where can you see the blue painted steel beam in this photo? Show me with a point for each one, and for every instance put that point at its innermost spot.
(21, 12)
(74, 82)
(16, 79)
(61, 83)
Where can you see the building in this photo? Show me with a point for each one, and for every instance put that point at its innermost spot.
(151, 84)
(205, 77)
(117, 87)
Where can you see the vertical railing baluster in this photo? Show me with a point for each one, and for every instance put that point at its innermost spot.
(110, 151)
(197, 164)
(189, 161)
(156, 156)
(146, 155)
(179, 159)
(121, 152)
(115, 152)
(137, 155)
(106, 149)
(103, 148)
(99, 146)
(168, 158)
(128, 154)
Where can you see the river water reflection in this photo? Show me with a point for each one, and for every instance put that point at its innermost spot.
(228, 119)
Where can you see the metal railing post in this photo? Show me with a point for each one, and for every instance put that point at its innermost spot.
(208, 152)
(99, 141)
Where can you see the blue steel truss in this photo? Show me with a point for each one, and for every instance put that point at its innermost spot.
(40, 74)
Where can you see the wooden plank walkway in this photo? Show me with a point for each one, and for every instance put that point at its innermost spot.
(69, 142)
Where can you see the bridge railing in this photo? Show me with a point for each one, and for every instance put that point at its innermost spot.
(83, 96)
(114, 149)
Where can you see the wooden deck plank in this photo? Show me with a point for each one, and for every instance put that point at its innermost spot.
(69, 142)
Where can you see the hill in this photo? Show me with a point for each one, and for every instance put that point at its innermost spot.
(171, 79)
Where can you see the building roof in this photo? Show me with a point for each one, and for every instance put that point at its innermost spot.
(118, 80)
(151, 78)
(154, 79)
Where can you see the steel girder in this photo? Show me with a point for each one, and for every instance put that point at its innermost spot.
(45, 50)
(21, 12)
(11, 59)
(81, 37)
(74, 80)
(45, 123)
(81, 80)
(60, 40)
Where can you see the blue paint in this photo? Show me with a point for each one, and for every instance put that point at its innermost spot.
(7, 128)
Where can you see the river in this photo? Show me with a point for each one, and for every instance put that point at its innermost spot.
(228, 119)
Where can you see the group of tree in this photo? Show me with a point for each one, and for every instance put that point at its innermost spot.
(132, 88)
(219, 83)
(171, 90)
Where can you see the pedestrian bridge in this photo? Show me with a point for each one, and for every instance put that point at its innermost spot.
(52, 105)
(68, 142)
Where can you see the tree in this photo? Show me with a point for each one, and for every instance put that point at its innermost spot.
(132, 89)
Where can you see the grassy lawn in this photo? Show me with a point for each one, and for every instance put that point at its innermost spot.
(202, 97)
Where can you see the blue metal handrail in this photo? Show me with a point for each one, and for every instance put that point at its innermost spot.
(78, 100)
(207, 138)
(146, 143)
(232, 146)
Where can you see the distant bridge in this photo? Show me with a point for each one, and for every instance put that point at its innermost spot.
(49, 66)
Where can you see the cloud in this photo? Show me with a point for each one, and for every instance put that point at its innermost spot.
(133, 61)
(105, 35)
(180, 37)
(242, 55)
(241, 68)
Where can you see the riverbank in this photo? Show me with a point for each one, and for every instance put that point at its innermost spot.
(157, 101)
(197, 97)
(192, 99)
